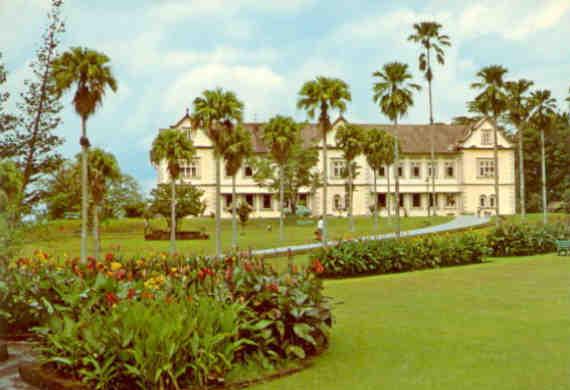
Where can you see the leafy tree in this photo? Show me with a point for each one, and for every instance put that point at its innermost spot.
(462, 120)
(428, 35)
(89, 71)
(123, 198)
(297, 173)
(10, 186)
(393, 92)
(188, 202)
(544, 119)
(379, 152)
(243, 211)
(172, 147)
(29, 138)
(103, 168)
(239, 148)
(491, 101)
(63, 190)
(350, 139)
(218, 111)
(566, 200)
(280, 135)
(519, 108)
(324, 94)
(7, 121)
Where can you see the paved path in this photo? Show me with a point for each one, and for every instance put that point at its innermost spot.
(20, 352)
(460, 222)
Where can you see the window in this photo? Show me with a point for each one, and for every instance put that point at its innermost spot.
(415, 169)
(266, 198)
(228, 200)
(486, 167)
(303, 200)
(382, 172)
(401, 200)
(486, 137)
(401, 170)
(247, 171)
(188, 131)
(190, 170)
(450, 201)
(483, 201)
(337, 202)
(416, 200)
(381, 200)
(429, 169)
(337, 167)
(449, 169)
(491, 200)
(249, 199)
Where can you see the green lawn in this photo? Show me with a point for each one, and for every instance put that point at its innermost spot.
(499, 325)
(59, 237)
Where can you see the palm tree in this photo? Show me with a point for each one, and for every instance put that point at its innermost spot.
(102, 168)
(518, 112)
(172, 147)
(428, 35)
(90, 72)
(350, 139)
(491, 101)
(324, 94)
(239, 148)
(379, 151)
(280, 135)
(393, 92)
(217, 112)
(543, 118)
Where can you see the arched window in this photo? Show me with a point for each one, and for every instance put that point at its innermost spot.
(482, 201)
(492, 200)
(337, 202)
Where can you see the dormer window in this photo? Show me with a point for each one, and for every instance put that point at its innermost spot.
(188, 131)
(486, 137)
(248, 171)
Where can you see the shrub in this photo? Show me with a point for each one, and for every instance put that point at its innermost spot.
(524, 240)
(399, 255)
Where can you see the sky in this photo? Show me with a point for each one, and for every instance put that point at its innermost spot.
(164, 53)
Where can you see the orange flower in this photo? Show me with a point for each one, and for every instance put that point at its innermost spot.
(109, 257)
(131, 293)
(317, 266)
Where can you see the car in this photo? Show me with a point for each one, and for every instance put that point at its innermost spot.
(302, 211)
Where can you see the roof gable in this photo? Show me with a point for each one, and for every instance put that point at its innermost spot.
(474, 139)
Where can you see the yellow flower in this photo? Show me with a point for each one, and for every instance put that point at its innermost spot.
(116, 266)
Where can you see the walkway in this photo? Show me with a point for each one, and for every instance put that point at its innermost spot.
(460, 222)
(19, 352)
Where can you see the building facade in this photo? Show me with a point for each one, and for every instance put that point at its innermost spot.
(464, 172)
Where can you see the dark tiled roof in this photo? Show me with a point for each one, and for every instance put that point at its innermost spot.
(413, 138)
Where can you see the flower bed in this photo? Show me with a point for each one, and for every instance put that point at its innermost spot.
(163, 322)
(399, 255)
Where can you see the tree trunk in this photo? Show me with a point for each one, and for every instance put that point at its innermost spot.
(397, 179)
(234, 214)
(521, 175)
(172, 216)
(281, 200)
(350, 218)
(325, 181)
(96, 236)
(496, 162)
(375, 204)
(432, 138)
(388, 195)
(543, 163)
(218, 210)
(84, 194)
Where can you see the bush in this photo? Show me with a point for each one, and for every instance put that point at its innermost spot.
(399, 255)
(524, 240)
(104, 322)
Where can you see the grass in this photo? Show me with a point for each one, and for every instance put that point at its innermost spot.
(63, 236)
(504, 324)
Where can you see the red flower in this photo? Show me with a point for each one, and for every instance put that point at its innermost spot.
(91, 263)
(229, 273)
(109, 257)
(201, 275)
(120, 274)
(317, 267)
(111, 298)
(131, 293)
(248, 267)
(204, 272)
(272, 287)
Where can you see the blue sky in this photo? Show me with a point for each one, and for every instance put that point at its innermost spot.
(165, 53)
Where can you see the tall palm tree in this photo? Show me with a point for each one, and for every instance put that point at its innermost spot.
(218, 112)
(89, 71)
(491, 101)
(428, 35)
(172, 147)
(102, 169)
(350, 139)
(393, 92)
(519, 108)
(280, 135)
(378, 147)
(543, 118)
(324, 94)
(239, 148)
